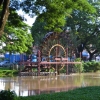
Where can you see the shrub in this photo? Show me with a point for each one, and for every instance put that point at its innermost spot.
(78, 68)
(87, 67)
(91, 66)
(8, 95)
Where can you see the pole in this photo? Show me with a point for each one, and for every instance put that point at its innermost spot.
(67, 61)
(38, 62)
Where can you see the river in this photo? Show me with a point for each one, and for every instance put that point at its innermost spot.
(35, 85)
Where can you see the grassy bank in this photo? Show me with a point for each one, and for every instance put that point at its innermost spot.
(86, 93)
(6, 72)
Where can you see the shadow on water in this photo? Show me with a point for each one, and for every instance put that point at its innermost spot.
(35, 85)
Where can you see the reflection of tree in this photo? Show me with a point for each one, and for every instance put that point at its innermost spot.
(78, 79)
(8, 83)
(89, 80)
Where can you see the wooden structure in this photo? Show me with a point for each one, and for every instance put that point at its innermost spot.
(27, 71)
(60, 47)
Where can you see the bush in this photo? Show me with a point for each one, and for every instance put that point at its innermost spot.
(8, 95)
(78, 68)
(91, 66)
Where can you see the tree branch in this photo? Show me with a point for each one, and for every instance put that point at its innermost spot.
(4, 14)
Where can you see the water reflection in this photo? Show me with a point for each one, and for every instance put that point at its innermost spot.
(33, 85)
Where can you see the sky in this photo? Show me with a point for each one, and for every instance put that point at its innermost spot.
(30, 20)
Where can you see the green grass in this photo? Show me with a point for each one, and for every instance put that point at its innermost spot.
(6, 72)
(86, 93)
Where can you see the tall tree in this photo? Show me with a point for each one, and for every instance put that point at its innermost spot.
(54, 12)
(86, 27)
(16, 34)
(38, 32)
(4, 5)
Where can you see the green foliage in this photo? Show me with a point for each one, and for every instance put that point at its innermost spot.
(86, 28)
(16, 34)
(7, 72)
(91, 66)
(54, 12)
(78, 67)
(8, 95)
(38, 32)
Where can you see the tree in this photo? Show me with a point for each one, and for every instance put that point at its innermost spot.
(38, 32)
(86, 27)
(16, 35)
(4, 5)
(54, 12)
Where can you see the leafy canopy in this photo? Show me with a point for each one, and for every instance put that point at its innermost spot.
(86, 27)
(54, 12)
(16, 35)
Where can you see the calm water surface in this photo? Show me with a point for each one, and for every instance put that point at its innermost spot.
(34, 85)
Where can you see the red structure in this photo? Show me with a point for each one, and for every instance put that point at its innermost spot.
(46, 64)
(62, 50)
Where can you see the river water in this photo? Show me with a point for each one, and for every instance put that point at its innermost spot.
(35, 85)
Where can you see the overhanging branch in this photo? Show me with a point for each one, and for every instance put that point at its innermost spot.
(4, 14)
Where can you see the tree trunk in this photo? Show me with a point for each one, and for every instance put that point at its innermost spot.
(4, 14)
(80, 49)
(91, 56)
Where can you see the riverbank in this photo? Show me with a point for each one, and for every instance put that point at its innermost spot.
(84, 93)
(6, 72)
